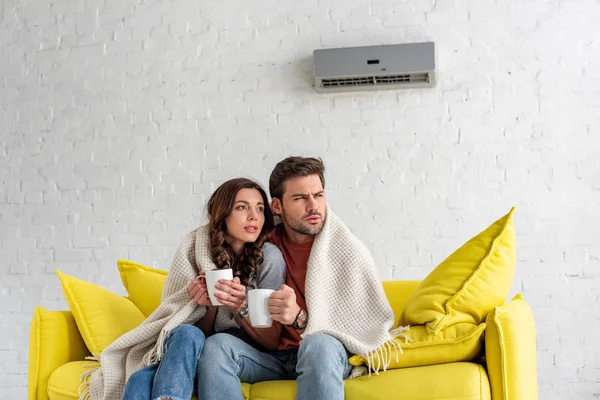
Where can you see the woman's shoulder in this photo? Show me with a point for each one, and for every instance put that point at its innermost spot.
(271, 273)
(270, 250)
(195, 234)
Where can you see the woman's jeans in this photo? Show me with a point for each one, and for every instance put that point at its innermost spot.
(175, 375)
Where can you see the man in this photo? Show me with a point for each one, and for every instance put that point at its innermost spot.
(319, 361)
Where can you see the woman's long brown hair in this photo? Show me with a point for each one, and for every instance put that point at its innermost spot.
(219, 207)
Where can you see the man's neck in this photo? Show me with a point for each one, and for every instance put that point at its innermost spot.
(297, 237)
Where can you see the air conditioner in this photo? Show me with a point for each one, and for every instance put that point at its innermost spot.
(396, 66)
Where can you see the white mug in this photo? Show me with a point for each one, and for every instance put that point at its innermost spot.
(258, 307)
(212, 278)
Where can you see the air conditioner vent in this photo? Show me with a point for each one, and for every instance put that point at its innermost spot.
(375, 80)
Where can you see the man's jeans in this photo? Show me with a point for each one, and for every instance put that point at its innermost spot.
(319, 367)
(174, 377)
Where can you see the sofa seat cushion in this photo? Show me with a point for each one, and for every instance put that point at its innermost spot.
(453, 381)
(64, 382)
(274, 390)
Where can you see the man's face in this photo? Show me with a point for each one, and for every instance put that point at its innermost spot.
(303, 207)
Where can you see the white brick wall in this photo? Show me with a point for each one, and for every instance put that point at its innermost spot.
(118, 119)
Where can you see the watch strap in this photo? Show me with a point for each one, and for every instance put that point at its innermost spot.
(243, 311)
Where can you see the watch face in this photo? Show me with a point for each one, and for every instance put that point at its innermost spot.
(301, 321)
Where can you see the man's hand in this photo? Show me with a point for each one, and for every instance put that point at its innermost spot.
(236, 294)
(198, 291)
(282, 305)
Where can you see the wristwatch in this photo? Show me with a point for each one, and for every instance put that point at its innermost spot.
(300, 321)
(243, 311)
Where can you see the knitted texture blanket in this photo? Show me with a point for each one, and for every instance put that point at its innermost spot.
(343, 292)
(345, 297)
(144, 345)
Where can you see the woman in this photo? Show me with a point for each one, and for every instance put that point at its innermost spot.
(240, 221)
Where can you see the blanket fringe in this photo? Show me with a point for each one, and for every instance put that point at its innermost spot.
(385, 352)
(370, 360)
(388, 354)
(396, 347)
(156, 354)
(396, 332)
(83, 391)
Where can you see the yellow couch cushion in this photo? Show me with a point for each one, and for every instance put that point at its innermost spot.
(64, 382)
(454, 381)
(143, 284)
(397, 292)
(273, 390)
(460, 342)
(53, 341)
(101, 316)
(510, 351)
(469, 283)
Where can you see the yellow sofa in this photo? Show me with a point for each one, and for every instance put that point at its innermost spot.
(507, 372)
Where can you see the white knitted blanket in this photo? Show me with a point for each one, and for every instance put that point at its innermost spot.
(144, 345)
(345, 298)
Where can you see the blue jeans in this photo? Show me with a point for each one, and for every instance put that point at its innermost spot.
(173, 378)
(319, 367)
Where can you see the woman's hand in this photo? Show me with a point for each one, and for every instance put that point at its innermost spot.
(198, 291)
(236, 294)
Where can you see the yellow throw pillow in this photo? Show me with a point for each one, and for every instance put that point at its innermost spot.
(144, 285)
(468, 284)
(101, 316)
(461, 342)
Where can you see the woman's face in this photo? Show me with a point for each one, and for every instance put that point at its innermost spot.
(246, 219)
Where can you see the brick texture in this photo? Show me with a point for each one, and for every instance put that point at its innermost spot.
(118, 119)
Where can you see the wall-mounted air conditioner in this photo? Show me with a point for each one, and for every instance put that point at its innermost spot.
(396, 66)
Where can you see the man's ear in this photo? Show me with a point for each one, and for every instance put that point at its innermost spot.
(276, 206)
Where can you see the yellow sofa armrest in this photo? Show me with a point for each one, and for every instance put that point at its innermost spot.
(510, 351)
(54, 340)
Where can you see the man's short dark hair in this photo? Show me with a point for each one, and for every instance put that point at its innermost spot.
(294, 167)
